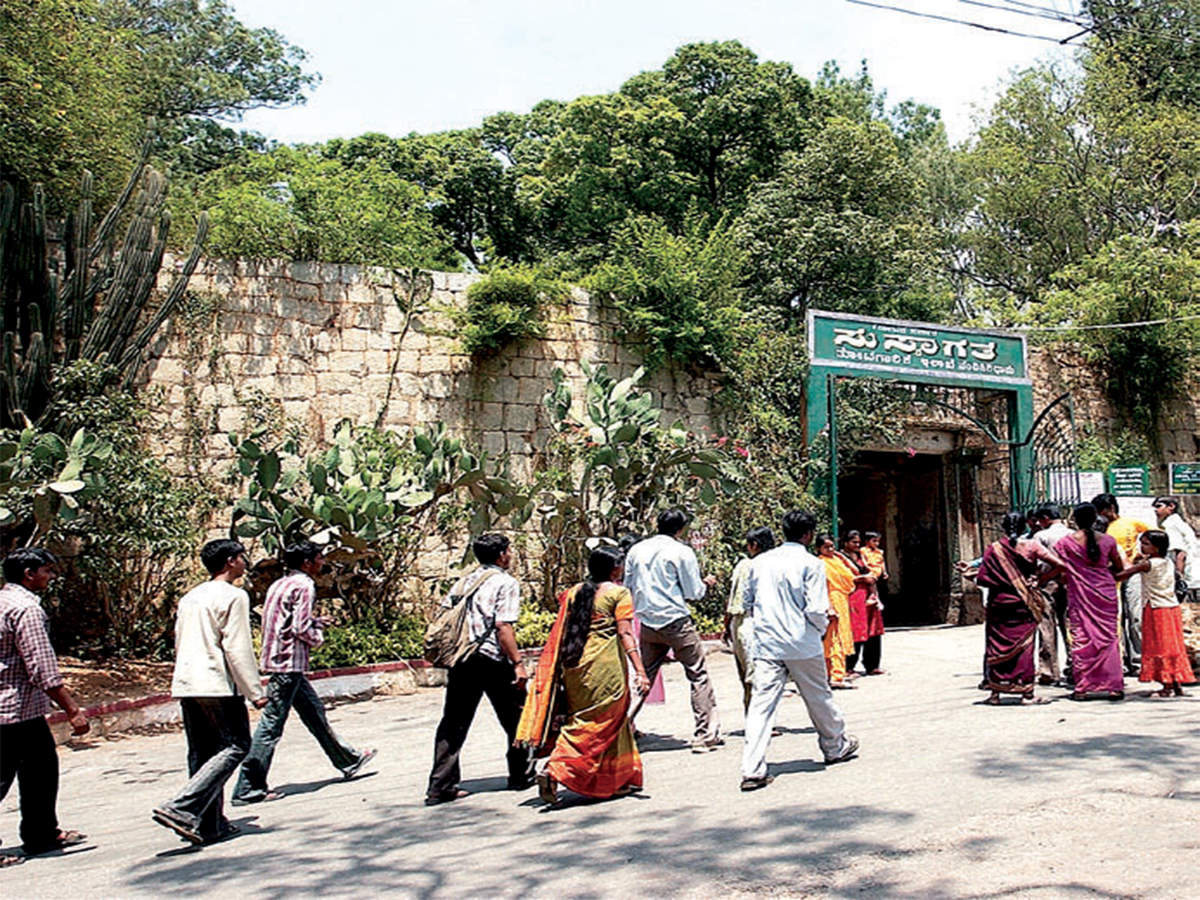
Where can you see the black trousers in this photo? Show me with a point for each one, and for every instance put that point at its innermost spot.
(872, 654)
(466, 684)
(218, 738)
(28, 756)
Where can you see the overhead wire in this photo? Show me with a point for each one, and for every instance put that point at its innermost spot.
(967, 22)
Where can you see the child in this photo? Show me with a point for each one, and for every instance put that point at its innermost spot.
(1164, 656)
(872, 555)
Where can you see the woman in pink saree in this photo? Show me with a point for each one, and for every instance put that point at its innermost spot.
(1092, 563)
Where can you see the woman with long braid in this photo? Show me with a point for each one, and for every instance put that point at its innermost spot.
(1015, 606)
(1093, 563)
(582, 681)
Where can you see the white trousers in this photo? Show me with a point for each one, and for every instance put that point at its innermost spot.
(770, 677)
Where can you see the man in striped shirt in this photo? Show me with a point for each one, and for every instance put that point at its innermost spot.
(289, 632)
(29, 680)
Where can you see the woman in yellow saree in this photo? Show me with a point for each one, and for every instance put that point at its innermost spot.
(839, 639)
(577, 708)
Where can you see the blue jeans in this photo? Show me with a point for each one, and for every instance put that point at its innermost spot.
(285, 691)
(218, 736)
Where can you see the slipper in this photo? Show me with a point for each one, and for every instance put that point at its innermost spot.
(265, 798)
(228, 830)
(754, 784)
(547, 788)
(11, 861)
(438, 799)
(366, 757)
(180, 827)
(1034, 701)
(64, 839)
(992, 701)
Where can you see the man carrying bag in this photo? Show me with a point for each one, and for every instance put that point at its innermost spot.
(478, 642)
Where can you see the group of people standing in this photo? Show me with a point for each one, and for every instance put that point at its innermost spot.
(1110, 585)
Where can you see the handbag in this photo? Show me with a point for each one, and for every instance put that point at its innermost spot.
(448, 637)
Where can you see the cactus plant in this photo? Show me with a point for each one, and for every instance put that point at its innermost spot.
(92, 301)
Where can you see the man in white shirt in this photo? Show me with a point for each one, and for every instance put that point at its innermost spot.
(663, 575)
(788, 597)
(494, 669)
(1182, 539)
(214, 659)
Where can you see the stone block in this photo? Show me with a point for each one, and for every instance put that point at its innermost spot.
(531, 390)
(436, 387)
(377, 361)
(429, 363)
(505, 390)
(520, 417)
(303, 293)
(380, 340)
(490, 416)
(459, 281)
(353, 339)
(323, 342)
(306, 272)
(493, 442)
(338, 383)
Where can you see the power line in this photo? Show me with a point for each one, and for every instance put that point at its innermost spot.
(994, 28)
(1055, 17)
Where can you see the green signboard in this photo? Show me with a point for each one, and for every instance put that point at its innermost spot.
(1129, 481)
(904, 349)
(1185, 478)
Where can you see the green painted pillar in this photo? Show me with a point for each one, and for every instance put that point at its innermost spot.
(1021, 456)
(821, 416)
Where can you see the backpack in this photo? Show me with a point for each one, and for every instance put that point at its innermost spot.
(448, 637)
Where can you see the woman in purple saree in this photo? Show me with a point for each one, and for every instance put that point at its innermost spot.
(1093, 563)
(1010, 570)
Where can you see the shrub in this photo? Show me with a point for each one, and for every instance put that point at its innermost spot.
(370, 641)
(506, 307)
(678, 294)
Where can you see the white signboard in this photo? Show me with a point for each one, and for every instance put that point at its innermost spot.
(1091, 484)
(1140, 508)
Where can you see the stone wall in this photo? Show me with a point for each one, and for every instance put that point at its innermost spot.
(321, 340)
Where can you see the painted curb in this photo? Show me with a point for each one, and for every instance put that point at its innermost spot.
(353, 683)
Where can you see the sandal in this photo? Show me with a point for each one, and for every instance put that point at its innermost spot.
(11, 861)
(1034, 701)
(547, 789)
(1077, 695)
(64, 839)
(438, 799)
(1115, 695)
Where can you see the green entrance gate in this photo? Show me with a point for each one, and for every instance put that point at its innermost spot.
(1041, 463)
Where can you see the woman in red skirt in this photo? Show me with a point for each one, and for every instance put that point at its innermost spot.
(1164, 656)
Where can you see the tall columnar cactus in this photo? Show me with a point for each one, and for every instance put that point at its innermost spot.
(93, 302)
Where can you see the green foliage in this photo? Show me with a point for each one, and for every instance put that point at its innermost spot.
(197, 59)
(79, 78)
(98, 308)
(296, 203)
(1135, 279)
(842, 227)
(370, 641)
(1155, 42)
(506, 307)
(65, 80)
(677, 294)
(377, 494)
(1098, 451)
(533, 625)
(130, 545)
(42, 478)
(611, 466)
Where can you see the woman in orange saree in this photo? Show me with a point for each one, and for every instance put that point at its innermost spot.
(839, 638)
(577, 708)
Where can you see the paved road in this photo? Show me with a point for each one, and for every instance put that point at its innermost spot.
(949, 798)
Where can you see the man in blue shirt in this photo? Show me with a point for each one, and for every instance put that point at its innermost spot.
(663, 575)
(788, 598)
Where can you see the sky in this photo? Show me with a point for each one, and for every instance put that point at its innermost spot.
(398, 66)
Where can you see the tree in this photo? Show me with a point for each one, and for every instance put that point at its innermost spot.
(296, 203)
(1155, 42)
(842, 227)
(66, 83)
(197, 59)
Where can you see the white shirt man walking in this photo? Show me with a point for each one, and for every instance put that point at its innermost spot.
(662, 574)
(788, 597)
